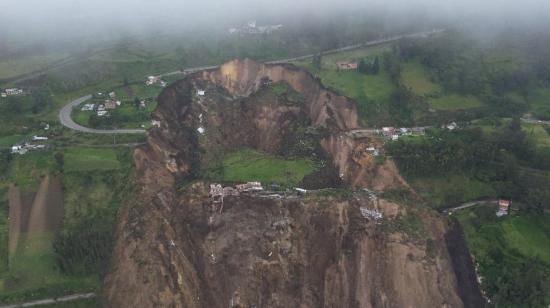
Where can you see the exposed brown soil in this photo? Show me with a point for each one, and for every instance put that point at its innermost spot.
(33, 213)
(176, 248)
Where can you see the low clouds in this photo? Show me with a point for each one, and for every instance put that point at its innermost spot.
(64, 18)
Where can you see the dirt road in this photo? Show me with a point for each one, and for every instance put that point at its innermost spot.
(51, 301)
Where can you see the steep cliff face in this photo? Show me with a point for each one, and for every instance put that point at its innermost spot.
(177, 248)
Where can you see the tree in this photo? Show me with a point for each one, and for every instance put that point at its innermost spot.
(60, 160)
(137, 102)
(363, 67)
(376, 66)
(5, 158)
(316, 61)
(399, 107)
(41, 100)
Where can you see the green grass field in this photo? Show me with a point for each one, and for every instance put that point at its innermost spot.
(371, 92)
(540, 103)
(416, 77)
(454, 189)
(8, 141)
(139, 90)
(528, 234)
(85, 159)
(454, 102)
(17, 67)
(27, 171)
(4, 227)
(538, 133)
(509, 250)
(249, 165)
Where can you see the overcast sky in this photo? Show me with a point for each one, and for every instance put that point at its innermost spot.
(70, 17)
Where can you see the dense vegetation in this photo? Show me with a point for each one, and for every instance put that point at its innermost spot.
(505, 159)
(513, 255)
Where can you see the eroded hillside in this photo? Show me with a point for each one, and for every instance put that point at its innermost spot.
(176, 247)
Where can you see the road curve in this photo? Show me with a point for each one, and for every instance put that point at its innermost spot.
(67, 121)
(51, 301)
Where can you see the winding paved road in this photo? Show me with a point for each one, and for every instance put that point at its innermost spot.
(67, 121)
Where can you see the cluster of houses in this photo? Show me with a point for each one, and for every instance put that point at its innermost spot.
(24, 147)
(252, 28)
(102, 109)
(218, 192)
(155, 80)
(392, 133)
(11, 92)
(367, 213)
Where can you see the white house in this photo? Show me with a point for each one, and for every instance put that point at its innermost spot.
(38, 138)
(13, 91)
(200, 92)
(88, 107)
(451, 126)
(18, 149)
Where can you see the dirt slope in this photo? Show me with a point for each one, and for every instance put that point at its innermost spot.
(35, 213)
(176, 248)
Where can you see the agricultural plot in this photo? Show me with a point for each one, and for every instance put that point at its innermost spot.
(528, 235)
(351, 83)
(540, 103)
(538, 133)
(249, 165)
(86, 159)
(452, 190)
(416, 77)
(454, 102)
(512, 252)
